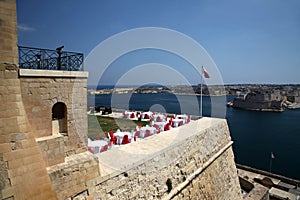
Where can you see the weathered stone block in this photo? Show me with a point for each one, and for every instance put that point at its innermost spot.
(13, 164)
(54, 145)
(28, 143)
(4, 138)
(12, 155)
(11, 75)
(32, 159)
(8, 192)
(4, 148)
(31, 151)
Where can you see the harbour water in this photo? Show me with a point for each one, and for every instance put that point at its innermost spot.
(255, 134)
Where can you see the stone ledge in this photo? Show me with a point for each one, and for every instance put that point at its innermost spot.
(73, 160)
(51, 137)
(52, 73)
(69, 179)
(52, 148)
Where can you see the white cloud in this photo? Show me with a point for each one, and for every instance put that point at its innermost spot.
(24, 27)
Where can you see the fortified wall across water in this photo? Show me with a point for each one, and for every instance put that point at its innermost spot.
(43, 153)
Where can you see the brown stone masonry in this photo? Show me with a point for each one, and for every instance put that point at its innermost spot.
(23, 170)
(23, 174)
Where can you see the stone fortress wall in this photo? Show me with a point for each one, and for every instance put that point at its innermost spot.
(43, 130)
(196, 159)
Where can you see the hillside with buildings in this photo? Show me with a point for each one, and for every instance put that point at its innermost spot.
(292, 91)
(261, 97)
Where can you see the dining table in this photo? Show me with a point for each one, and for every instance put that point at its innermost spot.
(176, 122)
(128, 114)
(120, 135)
(184, 117)
(159, 116)
(144, 129)
(148, 113)
(96, 145)
(161, 125)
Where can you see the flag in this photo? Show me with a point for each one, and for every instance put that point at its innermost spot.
(205, 73)
(272, 155)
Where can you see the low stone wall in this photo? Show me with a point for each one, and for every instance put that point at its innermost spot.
(193, 161)
(69, 179)
(52, 148)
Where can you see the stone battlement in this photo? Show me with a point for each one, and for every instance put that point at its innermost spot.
(196, 158)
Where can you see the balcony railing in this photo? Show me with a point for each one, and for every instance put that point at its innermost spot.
(36, 58)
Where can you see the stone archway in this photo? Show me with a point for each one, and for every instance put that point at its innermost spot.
(59, 118)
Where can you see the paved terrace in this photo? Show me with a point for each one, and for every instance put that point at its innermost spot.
(123, 157)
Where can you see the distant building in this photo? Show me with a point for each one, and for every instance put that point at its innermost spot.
(261, 101)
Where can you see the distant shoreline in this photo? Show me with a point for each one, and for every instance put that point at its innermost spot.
(187, 94)
(171, 86)
(289, 90)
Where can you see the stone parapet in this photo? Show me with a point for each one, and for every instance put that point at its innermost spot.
(52, 73)
(69, 179)
(52, 148)
(196, 160)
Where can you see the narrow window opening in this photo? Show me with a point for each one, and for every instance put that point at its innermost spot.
(59, 118)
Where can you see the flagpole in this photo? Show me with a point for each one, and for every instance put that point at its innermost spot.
(270, 164)
(201, 92)
(206, 75)
(271, 160)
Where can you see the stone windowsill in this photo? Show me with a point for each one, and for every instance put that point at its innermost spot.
(40, 139)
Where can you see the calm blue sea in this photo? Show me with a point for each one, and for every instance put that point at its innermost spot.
(255, 134)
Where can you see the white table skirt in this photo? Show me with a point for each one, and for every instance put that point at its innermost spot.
(160, 124)
(120, 136)
(145, 128)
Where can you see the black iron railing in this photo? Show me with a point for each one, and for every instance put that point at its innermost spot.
(36, 58)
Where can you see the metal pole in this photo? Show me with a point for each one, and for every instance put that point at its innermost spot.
(201, 92)
(59, 61)
(59, 52)
(271, 162)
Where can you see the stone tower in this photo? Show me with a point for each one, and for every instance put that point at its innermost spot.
(43, 124)
(23, 171)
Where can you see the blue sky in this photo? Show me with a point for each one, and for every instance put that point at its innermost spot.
(255, 41)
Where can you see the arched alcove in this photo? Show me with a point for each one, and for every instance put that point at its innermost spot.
(59, 118)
